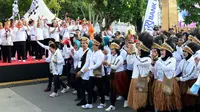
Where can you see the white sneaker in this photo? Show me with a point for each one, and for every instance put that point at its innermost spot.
(33, 57)
(13, 59)
(107, 98)
(110, 108)
(65, 89)
(125, 104)
(24, 60)
(54, 95)
(74, 92)
(87, 106)
(19, 60)
(119, 98)
(101, 106)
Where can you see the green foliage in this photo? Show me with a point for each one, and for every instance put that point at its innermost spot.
(188, 5)
(95, 10)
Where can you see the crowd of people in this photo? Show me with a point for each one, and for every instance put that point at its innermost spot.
(151, 73)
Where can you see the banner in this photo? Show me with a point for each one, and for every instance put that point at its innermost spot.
(151, 16)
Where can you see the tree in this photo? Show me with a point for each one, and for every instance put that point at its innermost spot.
(193, 12)
(125, 10)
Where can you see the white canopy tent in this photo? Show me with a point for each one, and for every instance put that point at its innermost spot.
(42, 11)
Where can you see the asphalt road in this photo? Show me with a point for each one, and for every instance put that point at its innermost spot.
(31, 98)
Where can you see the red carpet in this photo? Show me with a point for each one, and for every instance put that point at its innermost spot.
(30, 60)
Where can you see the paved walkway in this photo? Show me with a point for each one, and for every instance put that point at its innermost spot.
(31, 98)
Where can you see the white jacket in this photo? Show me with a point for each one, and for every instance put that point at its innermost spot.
(56, 67)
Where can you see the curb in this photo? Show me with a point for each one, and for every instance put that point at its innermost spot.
(25, 82)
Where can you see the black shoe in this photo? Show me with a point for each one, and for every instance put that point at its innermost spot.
(77, 99)
(81, 103)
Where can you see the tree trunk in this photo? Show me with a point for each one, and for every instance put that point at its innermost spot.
(139, 24)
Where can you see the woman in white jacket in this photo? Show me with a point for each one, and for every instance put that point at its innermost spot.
(56, 67)
(7, 42)
(188, 75)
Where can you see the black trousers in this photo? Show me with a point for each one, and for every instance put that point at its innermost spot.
(0, 52)
(6, 50)
(113, 94)
(33, 48)
(21, 50)
(106, 85)
(84, 88)
(14, 50)
(50, 81)
(57, 82)
(67, 68)
(37, 51)
(98, 82)
(28, 47)
(46, 42)
(77, 86)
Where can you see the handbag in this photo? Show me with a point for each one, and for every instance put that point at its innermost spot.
(167, 85)
(142, 83)
(97, 72)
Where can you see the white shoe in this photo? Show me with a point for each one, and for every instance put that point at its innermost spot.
(74, 92)
(24, 60)
(110, 108)
(33, 57)
(65, 90)
(119, 98)
(107, 98)
(101, 106)
(125, 104)
(13, 58)
(87, 106)
(54, 95)
(19, 60)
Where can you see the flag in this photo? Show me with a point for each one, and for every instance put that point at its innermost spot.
(151, 16)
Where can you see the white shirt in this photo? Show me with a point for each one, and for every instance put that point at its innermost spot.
(76, 58)
(85, 75)
(46, 32)
(6, 40)
(141, 66)
(32, 30)
(107, 58)
(188, 69)
(39, 34)
(165, 68)
(54, 34)
(178, 54)
(65, 33)
(14, 33)
(20, 35)
(66, 52)
(95, 61)
(117, 63)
